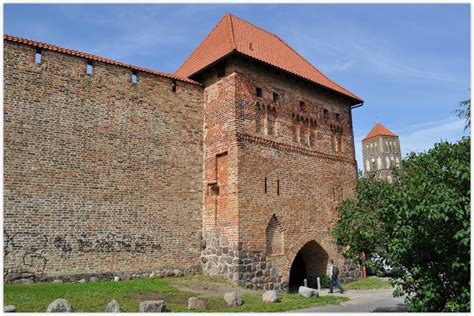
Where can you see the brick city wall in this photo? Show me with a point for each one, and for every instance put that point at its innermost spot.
(295, 164)
(100, 174)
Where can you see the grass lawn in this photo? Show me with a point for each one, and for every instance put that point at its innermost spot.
(93, 297)
(370, 283)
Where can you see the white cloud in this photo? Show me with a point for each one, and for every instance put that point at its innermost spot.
(376, 55)
(336, 67)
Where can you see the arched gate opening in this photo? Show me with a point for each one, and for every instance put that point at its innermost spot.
(310, 263)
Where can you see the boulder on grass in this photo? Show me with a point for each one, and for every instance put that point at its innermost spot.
(152, 306)
(232, 299)
(59, 306)
(93, 279)
(307, 291)
(113, 307)
(196, 303)
(270, 297)
(9, 309)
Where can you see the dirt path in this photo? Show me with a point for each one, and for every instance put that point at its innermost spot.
(209, 288)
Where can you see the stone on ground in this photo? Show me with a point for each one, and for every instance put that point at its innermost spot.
(270, 297)
(307, 291)
(24, 281)
(93, 279)
(232, 299)
(59, 306)
(196, 303)
(58, 281)
(9, 309)
(113, 307)
(82, 281)
(177, 273)
(116, 279)
(152, 306)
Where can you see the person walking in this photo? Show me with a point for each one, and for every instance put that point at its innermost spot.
(335, 278)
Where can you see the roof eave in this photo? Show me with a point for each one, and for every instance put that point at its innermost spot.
(353, 99)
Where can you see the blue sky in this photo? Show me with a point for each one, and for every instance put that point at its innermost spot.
(409, 62)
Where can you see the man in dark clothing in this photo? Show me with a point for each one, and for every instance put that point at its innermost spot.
(334, 278)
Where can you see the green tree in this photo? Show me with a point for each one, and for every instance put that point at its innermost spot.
(464, 111)
(421, 223)
(360, 225)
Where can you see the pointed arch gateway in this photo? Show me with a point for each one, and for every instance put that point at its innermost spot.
(310, 262)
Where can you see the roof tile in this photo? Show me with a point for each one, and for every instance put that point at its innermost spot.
(379, 130)
(234, 34)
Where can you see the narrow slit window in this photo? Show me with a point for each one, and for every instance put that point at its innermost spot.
(325, 114)
(134, 78)
(302, 106)
(278, 187)
(259, 92)
(38, 56)
(89, 68)
(173, 86)
(338, 117)
(276, 97)
(266, 185)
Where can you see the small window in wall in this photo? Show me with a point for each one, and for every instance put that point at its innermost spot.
(302, 106)
(266, 185)
(276, 97)
(213, 189)
(325, 114)
(173, 86)
(89, 68)
(278, 187)
(258, 92)
(38, 56)
(338, 117)
(134, 78)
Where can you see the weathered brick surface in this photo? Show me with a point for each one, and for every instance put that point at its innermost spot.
(294, 164)
(101, 175)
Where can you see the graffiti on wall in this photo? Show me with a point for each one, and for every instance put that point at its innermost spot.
(37, 249)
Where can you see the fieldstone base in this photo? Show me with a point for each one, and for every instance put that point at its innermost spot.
(20, 276)
(245, 268)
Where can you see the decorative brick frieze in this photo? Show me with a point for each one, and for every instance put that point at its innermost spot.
(242, 137)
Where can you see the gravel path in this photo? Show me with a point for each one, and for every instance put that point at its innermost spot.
(362, 301)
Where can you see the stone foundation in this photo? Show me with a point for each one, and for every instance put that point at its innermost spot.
(245, 268)
(24, 276)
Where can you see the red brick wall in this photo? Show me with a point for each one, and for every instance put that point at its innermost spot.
(101, 175)
(305, 180)
(306, 176)
(220, 157)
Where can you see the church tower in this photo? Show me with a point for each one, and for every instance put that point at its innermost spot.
(381, 152)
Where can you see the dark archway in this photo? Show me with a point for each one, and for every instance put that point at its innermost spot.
(310, 262)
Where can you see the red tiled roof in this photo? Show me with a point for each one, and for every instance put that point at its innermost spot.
(379, 130)
(67, 51)
(232, 34)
